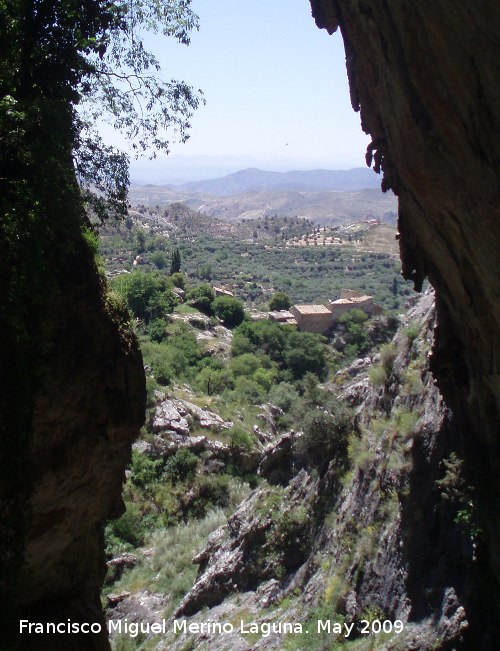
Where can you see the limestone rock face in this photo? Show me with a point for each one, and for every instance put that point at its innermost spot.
(89, 408)
(424, 76)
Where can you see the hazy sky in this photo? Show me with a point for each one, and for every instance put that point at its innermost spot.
(276, 92)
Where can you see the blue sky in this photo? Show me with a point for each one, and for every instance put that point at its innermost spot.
(270, 77)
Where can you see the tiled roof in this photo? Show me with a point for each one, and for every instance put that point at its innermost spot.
(351, 301)
(312, 309)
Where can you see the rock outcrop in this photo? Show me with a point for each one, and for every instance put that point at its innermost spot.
(87, 409)
(424, 77)
(387, 545)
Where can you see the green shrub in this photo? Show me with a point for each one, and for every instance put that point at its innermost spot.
(230, 310)
(241, 345)
(284, 395)
(388, 354)
(244, 365)
(151, 387)
(159, 259)
(326, 431)
(157, 330)
(147, 294)
(181, 466)
(179, 279)
(280, 301)
(411, 333)
(241, 439)
(202, 297)
(248, 390)
(212, 380)
(265, 377)
(305, 352)
(129, 527)
(266, 337)
(211, 491)
(144, 470)
(378, 375)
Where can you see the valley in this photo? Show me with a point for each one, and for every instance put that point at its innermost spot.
(260, 438)
(321, 196)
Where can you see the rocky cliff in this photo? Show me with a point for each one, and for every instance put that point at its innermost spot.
(381, 534)
(423, 76)
(73, 406)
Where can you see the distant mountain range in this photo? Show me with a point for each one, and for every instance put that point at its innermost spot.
(255, 180)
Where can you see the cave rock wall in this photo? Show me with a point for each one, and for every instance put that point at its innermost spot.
(424, 77)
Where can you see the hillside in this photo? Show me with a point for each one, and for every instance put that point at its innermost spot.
(258, 257)
(256, 180)
(319, 207)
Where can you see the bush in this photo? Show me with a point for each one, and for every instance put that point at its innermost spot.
(247, 390)
(265, 336)
(230, 310)
(378, 375)
(265, 377)
(212, 380)
(157, 330)
(280, 301)
(356, 336)
(388, 354)
(411, 333)
(144, 470)
(179, 279)
(202, 297)
(147, 294)
(245, 364)
(326, 431)
(305, 353)
(240, 438)
(181, 466)
(284, 395)
(159, 259)
(241, 345)
(129, 527)
(211, 491)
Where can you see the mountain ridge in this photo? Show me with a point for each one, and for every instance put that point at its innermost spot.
(253, 179)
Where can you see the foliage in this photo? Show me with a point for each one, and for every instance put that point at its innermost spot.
(247, 390)
(305, 353)
(241, 439)
(144, 470)
(230, 310)
(265, 336)
(309, 274)
(128, 528)
(202, 297)
(246, 364)
(181, 466)
(159, 260)
(326, 430)
(452, 485)
(355, 334)
(175, 263)
(284, 395)
(388, 354)
(212, 380)
(280, 301)
(378, 375)
(176, 356)
(147, 294)
(157, 330)
(179, 279)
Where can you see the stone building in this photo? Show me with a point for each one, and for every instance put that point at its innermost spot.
(312, 318)
(320, 318)
(222, 291)
(282, 316)
(351, 300)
